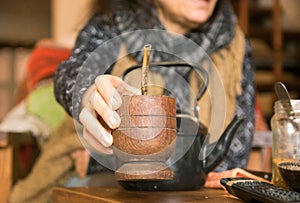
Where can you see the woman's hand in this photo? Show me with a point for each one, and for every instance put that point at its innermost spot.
(213, 178)
(99, 115)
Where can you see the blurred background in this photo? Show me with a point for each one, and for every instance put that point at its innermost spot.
(272, 25)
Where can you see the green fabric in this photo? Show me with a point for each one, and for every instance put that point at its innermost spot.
(42, 103)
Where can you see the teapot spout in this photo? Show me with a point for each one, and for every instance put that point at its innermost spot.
(216, 151)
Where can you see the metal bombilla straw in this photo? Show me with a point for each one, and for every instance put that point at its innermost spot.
(145, 68)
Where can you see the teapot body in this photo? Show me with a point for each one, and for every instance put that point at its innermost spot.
(189, 171)
(188, 175)
(192, 158)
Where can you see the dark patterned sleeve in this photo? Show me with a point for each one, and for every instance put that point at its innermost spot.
(240, 148)
(70, 80)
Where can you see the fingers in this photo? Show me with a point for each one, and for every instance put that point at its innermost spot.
(111, 88)
(106, 98)
(107, 114)
(102, 99)
(213, 178)
(94, 128)
(90, 138)
(106, 87)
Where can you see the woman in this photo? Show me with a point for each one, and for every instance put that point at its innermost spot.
(211, 24)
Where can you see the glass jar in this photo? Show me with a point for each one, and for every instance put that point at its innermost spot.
(285, 125)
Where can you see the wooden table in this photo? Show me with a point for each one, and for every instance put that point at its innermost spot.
(102, 194)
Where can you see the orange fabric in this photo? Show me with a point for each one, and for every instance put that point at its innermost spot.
(43, 63)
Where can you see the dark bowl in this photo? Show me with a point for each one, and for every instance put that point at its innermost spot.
(290, 172)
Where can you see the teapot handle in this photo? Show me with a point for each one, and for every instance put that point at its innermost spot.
(179, 64)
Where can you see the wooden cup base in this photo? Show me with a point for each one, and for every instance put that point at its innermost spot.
(144, 171)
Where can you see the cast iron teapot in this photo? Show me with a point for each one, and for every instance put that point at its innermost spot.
(196, 157)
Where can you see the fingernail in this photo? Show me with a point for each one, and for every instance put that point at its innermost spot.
(114, 120)
(115, 102)
(107, 141)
